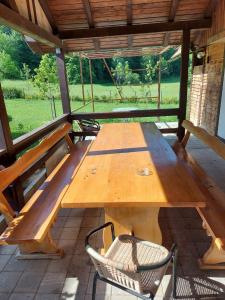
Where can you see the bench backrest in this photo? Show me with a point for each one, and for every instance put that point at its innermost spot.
(10, 174)
(212, 141)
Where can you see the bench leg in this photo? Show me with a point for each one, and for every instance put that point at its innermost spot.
(45, 249)
(214, 257)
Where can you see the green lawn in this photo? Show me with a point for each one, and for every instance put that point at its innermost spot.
(29, 114)
(168, 89)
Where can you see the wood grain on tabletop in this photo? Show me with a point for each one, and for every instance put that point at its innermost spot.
(132, 165)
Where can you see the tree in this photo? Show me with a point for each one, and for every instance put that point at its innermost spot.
(8, 69)
(73, 69)
(14, 45)
(46, 77)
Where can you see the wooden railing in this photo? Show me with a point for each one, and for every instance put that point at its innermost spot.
(26, 140)
(127, 114)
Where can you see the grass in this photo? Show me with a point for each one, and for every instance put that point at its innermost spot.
(29, 114)
(168, 89)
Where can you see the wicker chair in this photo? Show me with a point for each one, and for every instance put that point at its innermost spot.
(89, 126)
(131, 264)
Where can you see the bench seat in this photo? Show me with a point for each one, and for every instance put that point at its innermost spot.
(214, 212)
(45, 203)
(30, 229)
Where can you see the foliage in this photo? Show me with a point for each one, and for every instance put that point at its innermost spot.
(46, 78)
(150, 69)
(123, 73)
(25, 72)
(73, 70)
(13, 93)
(12, 43)
(8, 68)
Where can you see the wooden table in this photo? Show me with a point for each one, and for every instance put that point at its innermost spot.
(131, 171)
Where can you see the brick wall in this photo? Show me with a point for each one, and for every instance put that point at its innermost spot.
(206, 89)
(207, 79)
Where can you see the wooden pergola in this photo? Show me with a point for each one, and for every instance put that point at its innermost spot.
(103, 29)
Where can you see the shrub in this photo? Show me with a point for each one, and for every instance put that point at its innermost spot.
(104, 98)
(13, 93)
(10, 118)
(76, 98)
(169, 100)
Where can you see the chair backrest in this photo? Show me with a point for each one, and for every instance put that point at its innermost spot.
(212, 141)
(89, 125)
(130, 274)
(10, 174)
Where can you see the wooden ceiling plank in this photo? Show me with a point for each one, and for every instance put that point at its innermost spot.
(135, 29)
(87, 8)
(12, 19)
(45, 7)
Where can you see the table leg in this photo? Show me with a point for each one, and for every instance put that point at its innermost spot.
(142, 222)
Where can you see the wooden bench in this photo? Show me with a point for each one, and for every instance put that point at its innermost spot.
(30, 228)
(213, 215)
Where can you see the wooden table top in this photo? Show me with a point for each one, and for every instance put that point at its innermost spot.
(132, 165)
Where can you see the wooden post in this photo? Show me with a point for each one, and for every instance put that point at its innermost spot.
(183, 82)
(10, 157)
(60, 60)
(5, 133)
(113, 80)
(92, 90)
(82, 80)
(159, 84)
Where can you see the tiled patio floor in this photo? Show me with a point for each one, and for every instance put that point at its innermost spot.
(71, 277)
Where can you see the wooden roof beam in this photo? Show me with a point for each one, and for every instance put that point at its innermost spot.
(10, 4)
(12, 19)
(129, 12)
(173, 10)
(210, 8)
(96, 43)
(130, 41)
(207, 15)
(172, 14)
(45, 7)
(87, 8)
(135, 29)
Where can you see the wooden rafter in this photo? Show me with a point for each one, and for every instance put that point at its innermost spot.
(172, 14)
(96, 42)
(210, 8)
(45, 7)
(135, 29)
(129, 12)
(35, 12)
(87, 8)
(173, 10)
(29, 10)
(130, 41)
(129, 22)
(207, 15)
(12, 19)
(10, 4)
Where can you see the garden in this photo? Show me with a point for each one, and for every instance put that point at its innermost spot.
(31, 89)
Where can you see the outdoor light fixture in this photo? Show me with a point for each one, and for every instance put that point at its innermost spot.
(200, 54)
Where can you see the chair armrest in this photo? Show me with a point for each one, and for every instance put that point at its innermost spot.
(98, 229)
